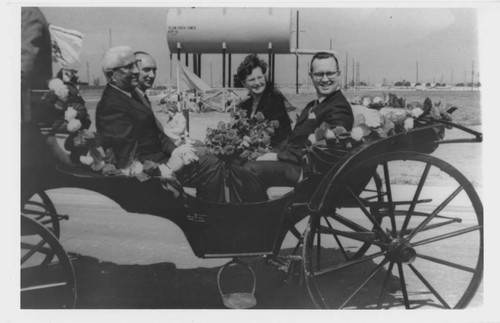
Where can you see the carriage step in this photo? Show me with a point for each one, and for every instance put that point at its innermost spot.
(237, 299)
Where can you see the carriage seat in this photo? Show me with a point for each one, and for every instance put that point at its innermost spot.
(273, 193)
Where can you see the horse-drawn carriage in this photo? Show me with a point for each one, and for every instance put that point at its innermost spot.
(376, 219)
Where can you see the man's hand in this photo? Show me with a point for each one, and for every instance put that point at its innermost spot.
(268, 156)
(183, 155)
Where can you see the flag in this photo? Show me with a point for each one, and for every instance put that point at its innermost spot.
(189, 81)
(66, 45)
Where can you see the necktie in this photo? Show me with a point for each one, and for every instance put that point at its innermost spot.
(147, 100)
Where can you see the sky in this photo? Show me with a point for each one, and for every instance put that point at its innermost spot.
(386, 42)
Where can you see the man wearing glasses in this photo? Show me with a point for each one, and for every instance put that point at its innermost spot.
(131, 129)
(284, 166)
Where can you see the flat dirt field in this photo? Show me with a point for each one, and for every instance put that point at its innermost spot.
(136, 261)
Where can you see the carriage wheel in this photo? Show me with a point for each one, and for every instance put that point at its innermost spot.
(40, 208)
(420, 246)
(44, 285)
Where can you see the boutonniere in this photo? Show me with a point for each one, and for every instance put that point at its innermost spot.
(311, 115)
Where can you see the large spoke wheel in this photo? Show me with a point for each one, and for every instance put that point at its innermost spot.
(40, 208)
(44, 284)
(418, 245)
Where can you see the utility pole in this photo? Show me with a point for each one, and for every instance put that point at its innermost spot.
(88, 77)
(417, 73)
(357, 75)
(211, 77)
(297, 57)
(110, 40)
(472, 78)
(353, 74)
(346, 68)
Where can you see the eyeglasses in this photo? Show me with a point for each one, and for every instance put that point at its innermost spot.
(128, 66)
(320, 75)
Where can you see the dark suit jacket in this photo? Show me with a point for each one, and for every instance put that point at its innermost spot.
(272, 105)
(130, 129)
(334, 110)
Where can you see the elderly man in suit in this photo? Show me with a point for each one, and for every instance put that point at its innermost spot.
(283, 167)
(131, 129)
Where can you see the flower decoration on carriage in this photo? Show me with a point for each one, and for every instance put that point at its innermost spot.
(242, 137)
(383, 117)
(64, 108)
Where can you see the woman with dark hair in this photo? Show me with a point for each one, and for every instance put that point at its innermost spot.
(263, 97)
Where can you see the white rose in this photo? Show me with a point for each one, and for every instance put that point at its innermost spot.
(86, 160)
(357, 133)
(312, 138)
(397, 116)
(70, 114)
(59, 88)
(373, 119)
(329, 134)
(125, 171)
(408, 123)
(74, 125)
(136, 168)
(417, 112)
(367, 101)
(166, 172)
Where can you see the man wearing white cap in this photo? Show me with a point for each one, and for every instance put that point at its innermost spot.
(131, 129)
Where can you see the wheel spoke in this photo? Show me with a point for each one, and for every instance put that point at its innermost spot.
(348, 264)
(339, 243)
(429, 286)
(389, 197)
(32, 251)
(367, 214)
(434, 226)
(416, 196)
(402, 281)
(44, 286)
(447, 263)
(359, 236)
(385, 287)
(435, 212)
(41, 214)
(318, 248)
(364, 282)
(348, 223)
(447, 235)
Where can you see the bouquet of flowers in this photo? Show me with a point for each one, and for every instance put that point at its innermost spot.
(242, 137)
